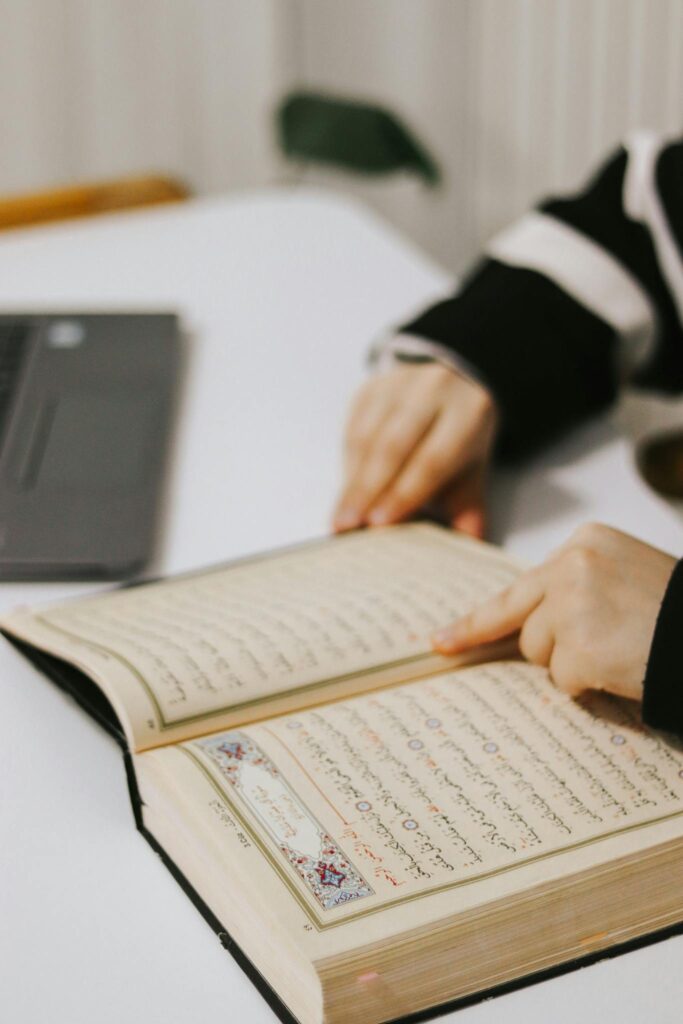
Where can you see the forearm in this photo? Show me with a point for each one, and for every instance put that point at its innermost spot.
(573, 300)
(547, 361)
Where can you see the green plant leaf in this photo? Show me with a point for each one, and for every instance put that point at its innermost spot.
(355, 136)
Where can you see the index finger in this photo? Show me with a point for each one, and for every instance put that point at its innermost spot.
(498, 617)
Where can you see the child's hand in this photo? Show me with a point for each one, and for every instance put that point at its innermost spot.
(416, 435)
(588, 613)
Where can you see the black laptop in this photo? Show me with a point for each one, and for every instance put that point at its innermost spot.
(86, 403)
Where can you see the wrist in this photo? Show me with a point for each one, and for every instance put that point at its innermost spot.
(403, 348)
(411, 348)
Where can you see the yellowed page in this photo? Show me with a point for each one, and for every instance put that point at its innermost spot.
(183, 656)
(380, 814)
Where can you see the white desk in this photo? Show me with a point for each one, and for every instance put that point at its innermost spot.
(282, 292)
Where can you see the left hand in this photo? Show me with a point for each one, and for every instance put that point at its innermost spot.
(588, 614)
(417, 436)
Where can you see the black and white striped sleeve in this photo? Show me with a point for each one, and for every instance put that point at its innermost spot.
(580, 295)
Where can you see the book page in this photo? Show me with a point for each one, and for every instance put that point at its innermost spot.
(437, 791)
(183, 656)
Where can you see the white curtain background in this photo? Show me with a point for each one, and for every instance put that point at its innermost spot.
(515, 98)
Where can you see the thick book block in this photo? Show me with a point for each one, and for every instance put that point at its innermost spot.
(363, 822)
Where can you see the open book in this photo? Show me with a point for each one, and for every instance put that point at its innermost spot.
(376, 830)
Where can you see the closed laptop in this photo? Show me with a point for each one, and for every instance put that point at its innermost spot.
(86, 407)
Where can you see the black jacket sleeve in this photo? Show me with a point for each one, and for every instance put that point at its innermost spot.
(550, 358)
(663, 688)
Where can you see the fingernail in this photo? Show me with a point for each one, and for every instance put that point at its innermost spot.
(471, 522)
(379, 517)
(346, 519)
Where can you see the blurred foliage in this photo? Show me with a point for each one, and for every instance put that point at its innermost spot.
(360, 137)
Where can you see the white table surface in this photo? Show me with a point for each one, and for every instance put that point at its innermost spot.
(282, 292)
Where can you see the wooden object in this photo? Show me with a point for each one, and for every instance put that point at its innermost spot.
(89, 199)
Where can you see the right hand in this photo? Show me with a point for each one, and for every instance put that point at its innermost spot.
(588, 614)
(417, 435)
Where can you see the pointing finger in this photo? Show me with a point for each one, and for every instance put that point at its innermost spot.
(498, 617)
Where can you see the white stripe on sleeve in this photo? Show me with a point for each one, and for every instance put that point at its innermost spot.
(586, 272)
(642, 203)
